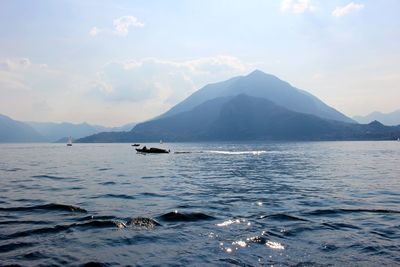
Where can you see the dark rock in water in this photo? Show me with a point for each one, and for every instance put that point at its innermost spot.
(257, 239)
(185, 217)
(143, 222)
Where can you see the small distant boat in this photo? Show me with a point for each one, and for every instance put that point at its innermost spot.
(152, 150)
(135, 145)
(161, 141)
(69, 143)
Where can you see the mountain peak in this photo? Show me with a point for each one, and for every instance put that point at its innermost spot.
(375, 123)
(259, 73)
(256, 72)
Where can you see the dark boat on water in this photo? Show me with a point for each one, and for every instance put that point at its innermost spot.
(135, 145)
(152, 150)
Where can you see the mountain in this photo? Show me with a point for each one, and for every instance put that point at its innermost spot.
(260, 84)
(12, 131)
(123, 128)
(244, 117)
(57, 132)
(17, 131)
(392, 118)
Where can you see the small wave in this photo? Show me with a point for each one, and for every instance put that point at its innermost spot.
(283, 217)
(310, 263)
(61, 228)
(52, 177)
(35, 255)
(45, 230)
(148, 194)
(122, 196)
(108, 183)
(104, 169)
(95, 264)
(340, 226)
(91, 217)
(235, 262)
(13, 246)
(339, 211)
(101, 224)
(251, 152)
(12, 170)
(185, 217)
(49, 207)
(274, 234)
(11, 222)
(75, 188)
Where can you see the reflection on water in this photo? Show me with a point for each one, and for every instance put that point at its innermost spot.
(247, 204)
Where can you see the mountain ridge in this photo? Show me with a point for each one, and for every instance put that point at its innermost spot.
(15, 131)
(260, 84)
(243, 117)
(54, 132)
(391, 118)
(18, 131)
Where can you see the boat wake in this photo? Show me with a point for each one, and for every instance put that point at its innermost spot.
(251, 152)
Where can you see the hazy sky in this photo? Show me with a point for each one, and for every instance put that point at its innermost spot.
(112, 63)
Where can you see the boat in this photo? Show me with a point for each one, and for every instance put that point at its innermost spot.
(152, 150)
(135, 145)
(69, 143)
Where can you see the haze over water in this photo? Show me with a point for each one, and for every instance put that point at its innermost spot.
(246, 204)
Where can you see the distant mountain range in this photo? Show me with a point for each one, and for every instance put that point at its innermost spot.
(392, 118)
(17, 131)
(54, 132)
(258, 106)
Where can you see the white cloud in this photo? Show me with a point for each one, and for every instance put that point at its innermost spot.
(297, 6)
(94, 31)
(344, 10)
(25, 86)
(163, 81)
(120, 26)
(15, 64)
(119, 92)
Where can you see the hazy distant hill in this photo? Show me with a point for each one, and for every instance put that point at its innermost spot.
(15, 131)
(54, 131)
(392, 118)
(244, 117)
(57, 132)
(260, 84)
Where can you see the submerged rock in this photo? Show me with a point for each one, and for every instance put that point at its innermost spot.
(143, 222)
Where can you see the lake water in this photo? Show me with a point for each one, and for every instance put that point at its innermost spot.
(246, 204)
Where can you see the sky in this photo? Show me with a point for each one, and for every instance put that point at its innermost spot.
(117, 62)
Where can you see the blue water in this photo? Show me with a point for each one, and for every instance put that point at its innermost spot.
(280, 204)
